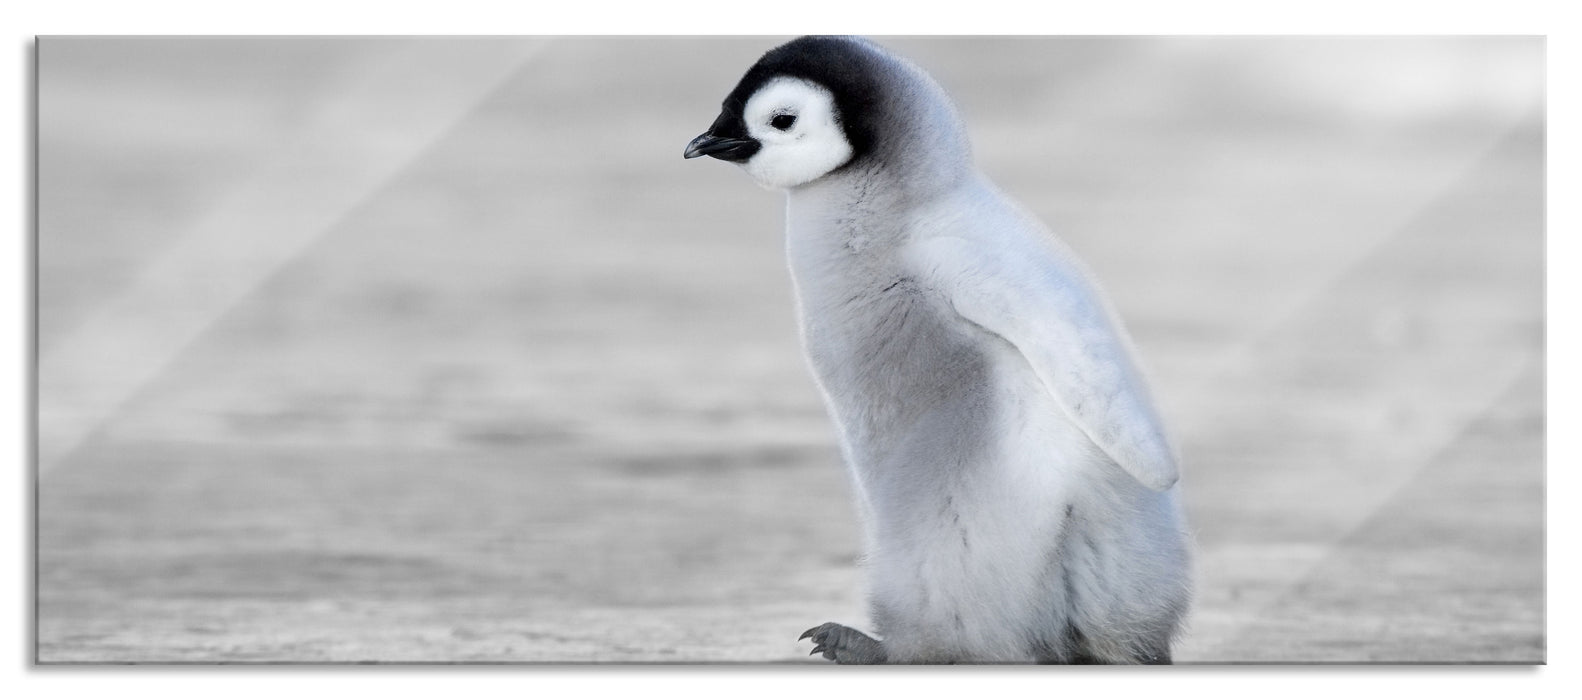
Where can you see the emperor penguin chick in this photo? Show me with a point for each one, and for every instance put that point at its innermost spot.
(1016, 485)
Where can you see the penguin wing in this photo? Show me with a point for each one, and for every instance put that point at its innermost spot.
(1046, 308)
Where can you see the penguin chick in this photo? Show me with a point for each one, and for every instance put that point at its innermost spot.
(1016, 486)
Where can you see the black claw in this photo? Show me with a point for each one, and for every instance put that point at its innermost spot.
(816, 650)
(807, 634)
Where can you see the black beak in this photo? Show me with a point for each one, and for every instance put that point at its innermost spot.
(725, 148)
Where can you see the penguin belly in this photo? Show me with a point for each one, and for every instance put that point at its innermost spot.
(997, 532)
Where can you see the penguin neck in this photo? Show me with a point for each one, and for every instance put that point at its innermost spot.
(866, 207)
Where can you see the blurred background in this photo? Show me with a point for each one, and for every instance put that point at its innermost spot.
(436, 349)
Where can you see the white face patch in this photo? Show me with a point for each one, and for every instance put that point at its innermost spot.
(794, 122)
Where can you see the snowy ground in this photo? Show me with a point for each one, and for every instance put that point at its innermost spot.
(438, 351)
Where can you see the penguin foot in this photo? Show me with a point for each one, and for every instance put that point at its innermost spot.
(844, 645)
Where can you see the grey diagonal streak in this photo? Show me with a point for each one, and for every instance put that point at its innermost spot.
(347, 151)
(1342, 409)
(1450, 569)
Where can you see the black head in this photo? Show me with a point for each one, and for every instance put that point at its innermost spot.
(845, 66)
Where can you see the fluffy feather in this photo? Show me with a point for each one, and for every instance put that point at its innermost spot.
(1016, 484)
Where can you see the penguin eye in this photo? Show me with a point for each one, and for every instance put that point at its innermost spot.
(782, 121)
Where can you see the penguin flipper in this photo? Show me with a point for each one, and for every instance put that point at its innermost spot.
(1052, 314)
